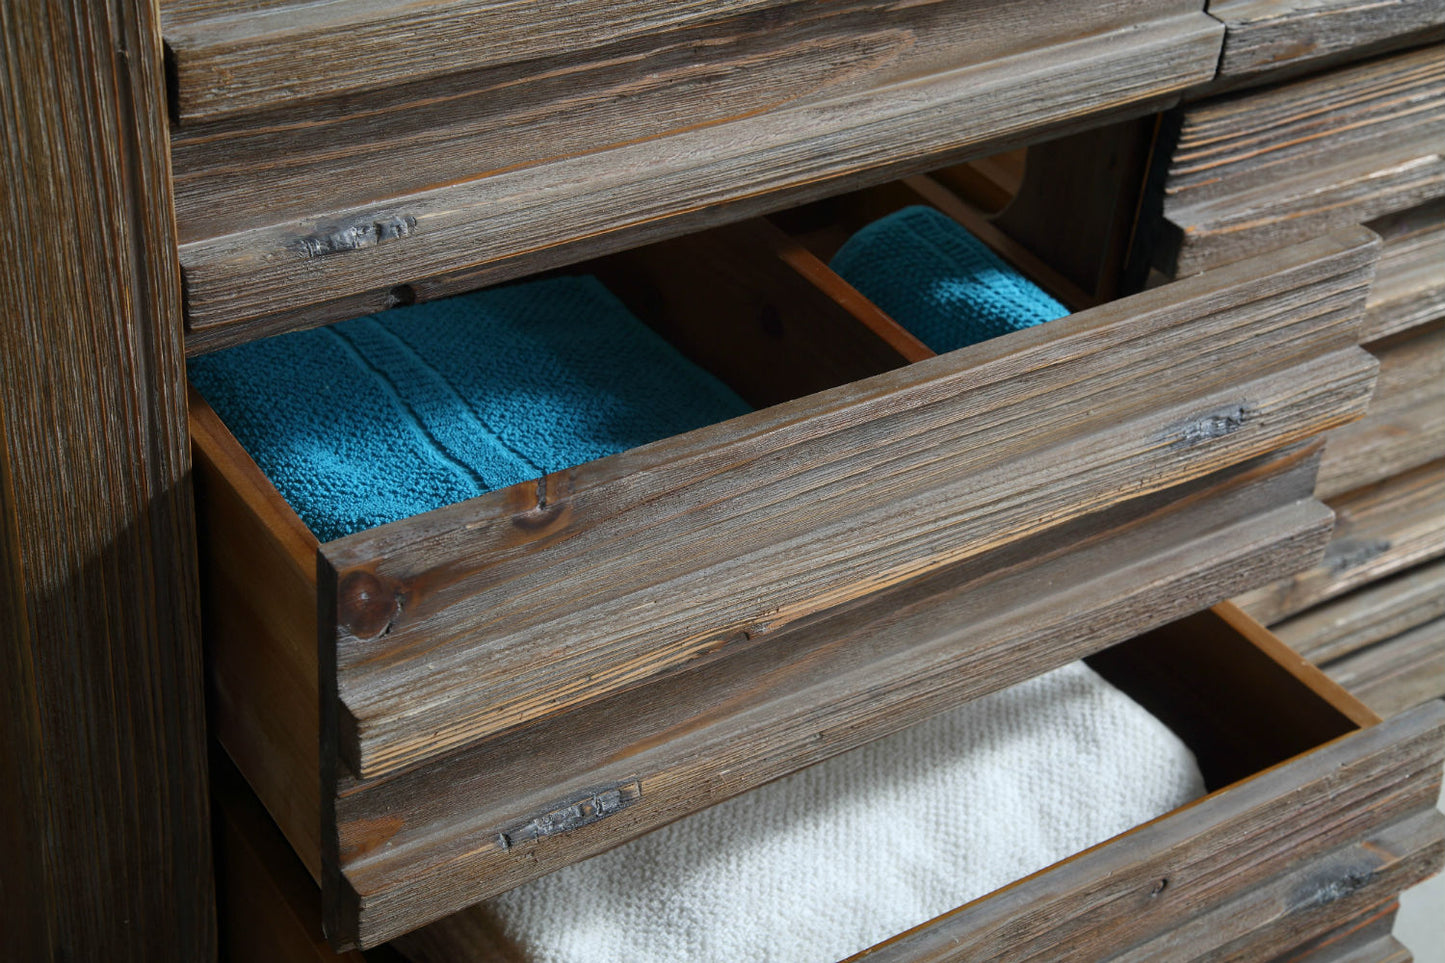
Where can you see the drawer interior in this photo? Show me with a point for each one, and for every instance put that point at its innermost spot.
(411, 839)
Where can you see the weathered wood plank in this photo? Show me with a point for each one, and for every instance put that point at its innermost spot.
(258, 586)
(1379, 530)
(1258, 170)
(475, 229)
(1405, 426)
(1308, 899)
(1393, 675)
(270, 909)
(264, 55)
(1268, 36)
(1409, 288)
(421, 844)
(774, 516)
(1365, 939)
(1367, 615)
(105, 832)
(1229, 842)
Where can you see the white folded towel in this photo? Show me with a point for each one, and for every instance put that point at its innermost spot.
(831, 860)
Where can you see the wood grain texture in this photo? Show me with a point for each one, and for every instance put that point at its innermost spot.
(1269, 36)
(421, 844)
(1313, 720)
(1409, 288)
(1405, 426)
(1365, 939)
(1400, 672)
(1253, 171)
(1307, 900)
(270, 908)
(230, 61)
(1379, 530)
(258, 586)
(1230, 842)
(105, 837)
(769, 518)
(1367, 615)
(496, 222)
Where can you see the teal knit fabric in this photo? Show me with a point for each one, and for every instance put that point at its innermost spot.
(387, 416)
(928, 273)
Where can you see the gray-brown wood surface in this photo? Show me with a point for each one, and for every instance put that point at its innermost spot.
(1400, 672)
(418, 846)
(105, 834)
(1367, 615)
(775, 516)
(1409, 288)
(1405, 426)
(1379, 530)
(1264, 37)
(344, 207)
(1257, 170)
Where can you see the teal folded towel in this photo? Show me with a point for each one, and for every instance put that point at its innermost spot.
(942, 284)
(387, 416)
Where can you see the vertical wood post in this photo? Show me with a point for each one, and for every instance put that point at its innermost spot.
(104, 824)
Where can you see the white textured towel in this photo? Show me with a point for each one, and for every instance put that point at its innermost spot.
(833, 859)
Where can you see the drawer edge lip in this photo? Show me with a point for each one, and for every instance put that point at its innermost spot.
(222, 274)
(1422, 728)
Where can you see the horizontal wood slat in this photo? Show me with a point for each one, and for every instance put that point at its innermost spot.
(484, 225)
(1267, 36)
(1232, 841)
(1405, 426)
(699, 737)
(1379, 530)
(1367, 615)
(1400, 672)
(1365, 939)
(1254, 171)
(1409, 288)
(777, 515)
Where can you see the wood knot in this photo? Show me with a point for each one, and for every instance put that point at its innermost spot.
(369, 606)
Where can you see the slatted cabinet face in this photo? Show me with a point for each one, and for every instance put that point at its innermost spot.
(325, 169)
(1142, 457)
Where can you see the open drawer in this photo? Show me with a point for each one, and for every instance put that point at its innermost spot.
(1317, 816)
(577, 660)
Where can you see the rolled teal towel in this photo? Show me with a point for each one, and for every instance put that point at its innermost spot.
(942, 284)
(387, 416)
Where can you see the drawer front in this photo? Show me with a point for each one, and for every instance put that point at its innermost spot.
(1306, 831)
(1254, 171)
(1267, 37)
(389, 188)
(654, 632)
(768, 519)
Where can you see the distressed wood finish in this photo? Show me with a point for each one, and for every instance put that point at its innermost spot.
(777, 515)
(497, 220)
(1259, 170)
(1393, 675)
(1409, 288)
(1367, 615)
(699, 737)
(1224, 682)
(1266, 37)
(1379, 530)
(105, 837)
(1306, 901)
(1405, 426)
(1232, 841)
(263, 55)
(1365, 939)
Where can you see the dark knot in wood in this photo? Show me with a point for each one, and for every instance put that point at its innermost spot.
(1214, 424)
(369, 605)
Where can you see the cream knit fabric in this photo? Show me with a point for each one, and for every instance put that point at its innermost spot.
(833, 859)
